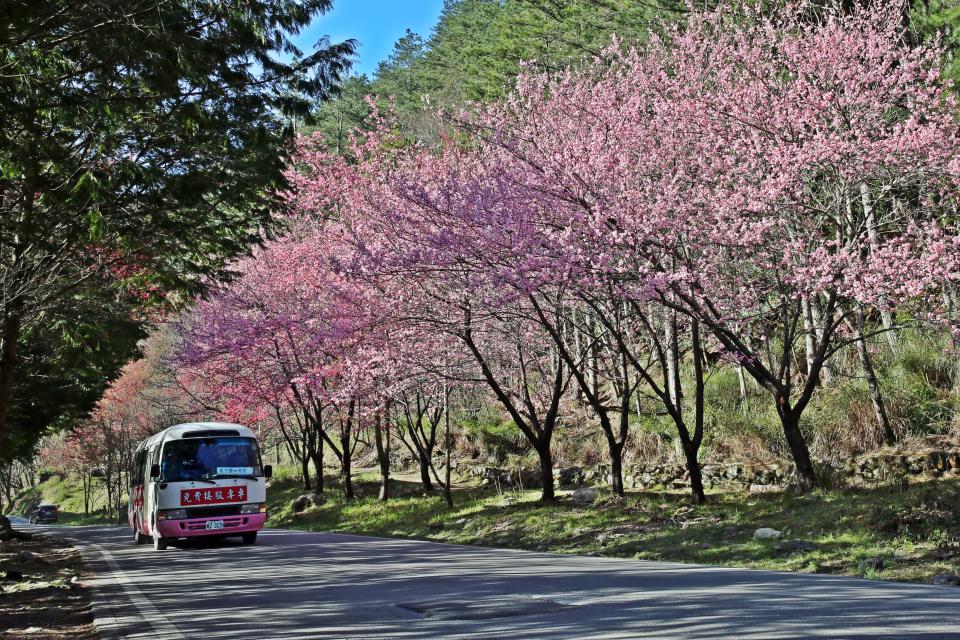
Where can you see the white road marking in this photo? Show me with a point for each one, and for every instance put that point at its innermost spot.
(104, 618)
(161, 625)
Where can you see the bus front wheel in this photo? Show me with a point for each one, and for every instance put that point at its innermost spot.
(159, 542)
(250, 538)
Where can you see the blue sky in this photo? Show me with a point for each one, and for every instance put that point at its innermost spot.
(376, 24)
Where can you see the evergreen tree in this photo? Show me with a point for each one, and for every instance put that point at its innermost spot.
(148, 136)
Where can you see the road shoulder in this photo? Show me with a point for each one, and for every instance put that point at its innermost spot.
(119, 609)
(44, 591)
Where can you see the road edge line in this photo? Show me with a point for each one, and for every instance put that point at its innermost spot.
(161, 626)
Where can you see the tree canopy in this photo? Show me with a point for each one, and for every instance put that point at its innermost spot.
(142, 145)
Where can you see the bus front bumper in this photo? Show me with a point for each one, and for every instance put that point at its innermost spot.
(232, 525)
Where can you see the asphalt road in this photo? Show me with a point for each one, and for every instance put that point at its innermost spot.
(317, 585)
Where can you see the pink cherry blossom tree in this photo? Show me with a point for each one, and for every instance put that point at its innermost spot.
(754, 186)
(417, 220)
(766, 176)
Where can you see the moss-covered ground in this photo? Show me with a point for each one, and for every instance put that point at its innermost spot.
(913, 531)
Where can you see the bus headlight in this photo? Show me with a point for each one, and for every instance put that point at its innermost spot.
(172, 514)
(247, 509)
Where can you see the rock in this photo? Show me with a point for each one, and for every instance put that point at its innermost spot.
(300, 504)
(608, 537)
(570, 477)
(7, 532)
(25, 556)
(946, 579)
(526, 478)
(830, 566)
(794, 546)
(764, 488)
(766, 533)
(586, 495)
(870, 564)
(730, 532)
(304, 502)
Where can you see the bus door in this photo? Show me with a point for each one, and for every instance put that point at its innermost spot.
(138, 477)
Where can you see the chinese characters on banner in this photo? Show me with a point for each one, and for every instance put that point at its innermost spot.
(216, 495)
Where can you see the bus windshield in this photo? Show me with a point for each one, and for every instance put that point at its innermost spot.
(208, 458)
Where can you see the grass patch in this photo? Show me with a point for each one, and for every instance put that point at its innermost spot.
(915, 532)
(65, 491)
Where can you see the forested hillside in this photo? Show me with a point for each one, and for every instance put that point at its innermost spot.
(627, 252)
(478, 46)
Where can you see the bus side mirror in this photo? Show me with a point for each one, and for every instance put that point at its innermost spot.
(154, 471)
(268, 471)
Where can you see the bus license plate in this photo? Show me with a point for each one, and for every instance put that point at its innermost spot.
(214, 524)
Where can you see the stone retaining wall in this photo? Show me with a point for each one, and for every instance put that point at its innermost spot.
(868, 469)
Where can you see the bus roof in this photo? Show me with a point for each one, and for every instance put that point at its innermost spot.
(196, 430)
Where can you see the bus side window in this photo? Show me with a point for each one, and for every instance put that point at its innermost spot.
(135, 469)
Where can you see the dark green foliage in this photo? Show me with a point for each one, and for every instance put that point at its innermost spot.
(151, 129)
(929, 18)
(143, 139)
(68, 356)
(478, 46)
(477, 49)
(343, 114)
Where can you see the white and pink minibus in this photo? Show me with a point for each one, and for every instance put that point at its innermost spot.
(198, 479)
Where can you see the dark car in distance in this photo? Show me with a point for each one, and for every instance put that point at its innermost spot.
(44, 514)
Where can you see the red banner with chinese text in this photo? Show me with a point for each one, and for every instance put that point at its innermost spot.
(214, 495)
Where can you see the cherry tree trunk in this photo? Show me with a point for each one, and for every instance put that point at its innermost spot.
(345, 468)
(876, 398)
(383, 456)
(546, 473)
(806, 476)
(424, 461)
(447, 443)
(86, 494)
(317, 458)
(305, 471)
(616, 465)
(885, 316)
(697, 493)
